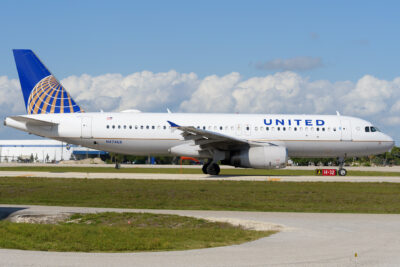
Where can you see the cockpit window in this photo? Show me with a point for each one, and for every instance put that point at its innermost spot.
(371, 129)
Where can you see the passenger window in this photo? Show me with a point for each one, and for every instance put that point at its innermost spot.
(136, 127)
(108, 126)
(334, 129)
(147, 127)
(247, 128)
(256, 128)
(153, 127)
(323, 129)
(278, 128)
(113, 126)
(317, 129)
(164, 127)
(141, 127)
(119, 126)
(295, 128)
(366, 129)
(267, 128)
(220, 127)
(124, 126)
(284, 128)
(204, 127)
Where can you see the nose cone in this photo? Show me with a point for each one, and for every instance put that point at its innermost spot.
(389, 141)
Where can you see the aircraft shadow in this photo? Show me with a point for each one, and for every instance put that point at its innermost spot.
(5, 212)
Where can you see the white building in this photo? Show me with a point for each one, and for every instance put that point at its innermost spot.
(42, 151)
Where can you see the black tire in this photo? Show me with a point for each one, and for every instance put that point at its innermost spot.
(342, 172)
(204, 168)
(213, 169)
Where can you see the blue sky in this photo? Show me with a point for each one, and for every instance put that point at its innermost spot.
(333, 41)
(353, 38)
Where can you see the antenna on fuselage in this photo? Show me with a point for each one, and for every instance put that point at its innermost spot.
(337, 113)
(169, 111)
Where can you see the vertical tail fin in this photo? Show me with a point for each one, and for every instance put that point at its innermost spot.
(42, 92)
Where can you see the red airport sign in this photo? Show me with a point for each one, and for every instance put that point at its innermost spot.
(326, 172)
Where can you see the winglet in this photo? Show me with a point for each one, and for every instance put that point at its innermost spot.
(173, 124)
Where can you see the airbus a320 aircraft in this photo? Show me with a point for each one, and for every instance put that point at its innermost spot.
(261, 141)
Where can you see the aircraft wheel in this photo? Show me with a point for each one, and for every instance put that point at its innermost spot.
(342, 172)
(213, 169)
(204, 168)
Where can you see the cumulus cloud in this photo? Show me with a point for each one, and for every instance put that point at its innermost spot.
(370, 98)
(142, 90)
(292, 64)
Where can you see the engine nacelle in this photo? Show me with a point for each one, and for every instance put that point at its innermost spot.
(261, 157)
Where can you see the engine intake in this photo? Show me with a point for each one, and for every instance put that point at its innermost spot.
(261, 157)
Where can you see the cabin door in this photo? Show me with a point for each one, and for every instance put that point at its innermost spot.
(86, 127)
(346, 130)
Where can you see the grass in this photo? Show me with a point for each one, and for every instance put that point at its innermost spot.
(124, 232)
(274, 172)
(204, 195)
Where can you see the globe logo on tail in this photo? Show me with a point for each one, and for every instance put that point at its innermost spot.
(48, 96)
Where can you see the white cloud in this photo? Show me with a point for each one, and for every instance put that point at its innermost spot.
(283, 92)
(293, 64)
(214, 94)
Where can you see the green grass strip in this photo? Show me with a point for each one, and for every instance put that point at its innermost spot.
(124, 232)
(274, 172)
(204, 195)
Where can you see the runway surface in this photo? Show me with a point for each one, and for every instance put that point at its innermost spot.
(203, 177)
(306, 239)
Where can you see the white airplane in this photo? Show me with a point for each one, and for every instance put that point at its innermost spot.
(261, 141)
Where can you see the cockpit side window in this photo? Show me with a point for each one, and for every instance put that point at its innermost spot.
(374, 129)
(367, 129)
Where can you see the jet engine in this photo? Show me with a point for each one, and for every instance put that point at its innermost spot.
(261, 157)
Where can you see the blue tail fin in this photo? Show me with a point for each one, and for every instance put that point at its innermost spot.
(42, 92)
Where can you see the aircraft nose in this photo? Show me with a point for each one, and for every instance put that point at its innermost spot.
(390, 142)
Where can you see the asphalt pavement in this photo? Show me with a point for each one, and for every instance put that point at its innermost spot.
(305, 239)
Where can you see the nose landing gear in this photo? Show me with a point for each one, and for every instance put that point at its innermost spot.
(342, 171)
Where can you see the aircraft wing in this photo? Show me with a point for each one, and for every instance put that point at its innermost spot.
(208, 139)
(33, 121)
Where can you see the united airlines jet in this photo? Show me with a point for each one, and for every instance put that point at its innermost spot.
(262, 141)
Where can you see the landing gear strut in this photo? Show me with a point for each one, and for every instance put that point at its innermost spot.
(210, 168)
(342, 171)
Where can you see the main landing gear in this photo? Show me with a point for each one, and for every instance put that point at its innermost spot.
(211, 168)
(342, 171)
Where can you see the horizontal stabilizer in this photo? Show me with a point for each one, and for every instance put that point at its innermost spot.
(32, 121)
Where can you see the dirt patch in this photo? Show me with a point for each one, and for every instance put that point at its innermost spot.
(39, 219)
